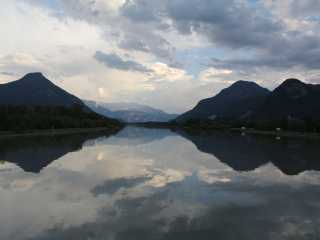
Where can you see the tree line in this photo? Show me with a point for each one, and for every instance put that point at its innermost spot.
(15, 118)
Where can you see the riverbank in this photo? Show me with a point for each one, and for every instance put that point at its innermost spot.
(55, 132)
(214, 128)
(281, 134)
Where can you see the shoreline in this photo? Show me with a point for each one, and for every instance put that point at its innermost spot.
(281, 134)
(284, 134)
(55, 132)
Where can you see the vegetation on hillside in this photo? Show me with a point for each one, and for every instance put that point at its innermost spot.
(19, 118)
(285, 124)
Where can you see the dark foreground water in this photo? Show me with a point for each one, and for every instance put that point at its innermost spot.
(156, 184)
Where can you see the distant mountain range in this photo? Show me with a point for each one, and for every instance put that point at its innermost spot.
(293, 101)
(130, 112)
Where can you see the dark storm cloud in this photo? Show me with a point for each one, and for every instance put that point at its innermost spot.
(227, 23)
(294, 50)
(114, 61)
(241, 25)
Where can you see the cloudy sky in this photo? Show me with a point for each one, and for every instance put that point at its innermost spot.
(165, 53)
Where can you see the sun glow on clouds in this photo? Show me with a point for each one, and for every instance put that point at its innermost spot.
(162, 72)
(214, 75)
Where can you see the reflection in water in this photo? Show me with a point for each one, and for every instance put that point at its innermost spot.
(246, 153)
(155, 184)
(35, 153)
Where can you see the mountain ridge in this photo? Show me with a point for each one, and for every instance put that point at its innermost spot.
(239, 99)
(130, 112)
(292, 105)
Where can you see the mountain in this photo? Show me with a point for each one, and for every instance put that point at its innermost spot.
(36, 90)
(293, 99)
(130, 112)
(33, 102)
(238, 101)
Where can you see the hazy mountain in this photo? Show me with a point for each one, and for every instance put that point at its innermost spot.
(292, 99)
(238, 101)
(36, 90)
(130, 112)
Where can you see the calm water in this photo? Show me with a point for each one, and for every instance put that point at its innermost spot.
(157, 184)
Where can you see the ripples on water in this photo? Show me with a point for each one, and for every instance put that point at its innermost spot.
(157, 184)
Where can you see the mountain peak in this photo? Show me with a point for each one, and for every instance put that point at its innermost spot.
(34, 75)
(243, 88)
(292, 81)
(34, 89)
(293, 88)
(240, 99)
(243, 83)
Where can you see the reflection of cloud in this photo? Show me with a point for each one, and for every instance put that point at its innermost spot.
(148, 191)
(167, 176)
(22, 184)
(213, 176)
(114, 185)
(251, 211)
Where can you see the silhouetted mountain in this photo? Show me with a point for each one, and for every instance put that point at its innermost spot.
(247, 153)
(32, 154)
(36, 90)
(292, 99)
(238, 101)
(34, 102)
(130, 112)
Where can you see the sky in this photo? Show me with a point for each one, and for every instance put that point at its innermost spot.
(167, 54)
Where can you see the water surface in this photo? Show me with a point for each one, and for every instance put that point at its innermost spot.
(158, 184)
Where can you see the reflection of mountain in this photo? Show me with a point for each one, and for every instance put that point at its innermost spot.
(33, 154)
(246, 153)
(131, 136)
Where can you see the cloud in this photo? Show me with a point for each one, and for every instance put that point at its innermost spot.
(305, 9)
(114, 61)
(161, 47)
(8, 73)
(241, 25)
(227, 23)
